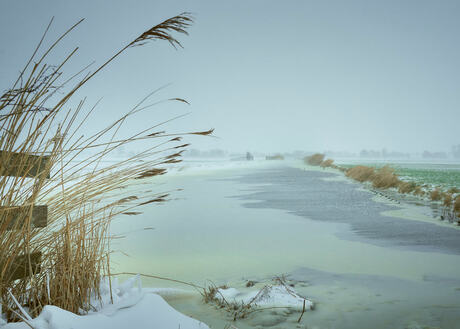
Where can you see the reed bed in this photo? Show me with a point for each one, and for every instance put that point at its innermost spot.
(385, 178)
(83, 196)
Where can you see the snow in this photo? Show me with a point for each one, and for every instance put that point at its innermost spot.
(132, 307)
(268, 296)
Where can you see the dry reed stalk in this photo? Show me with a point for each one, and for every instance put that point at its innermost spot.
(82, 196)
(418, 191)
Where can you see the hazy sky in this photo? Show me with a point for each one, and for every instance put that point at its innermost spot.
(267, 75)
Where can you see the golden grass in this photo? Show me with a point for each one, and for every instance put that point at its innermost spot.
(407, 187)
(82, 195)
(385, 178)
(361, 173)
(314, 160)
(418, 191)
(327, 163)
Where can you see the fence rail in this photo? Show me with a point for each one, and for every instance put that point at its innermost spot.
(14, 216)
(23, 165)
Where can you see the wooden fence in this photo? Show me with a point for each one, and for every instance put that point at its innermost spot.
(26, 166)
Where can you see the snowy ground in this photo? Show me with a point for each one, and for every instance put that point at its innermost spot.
(133, 307)
(137, 307)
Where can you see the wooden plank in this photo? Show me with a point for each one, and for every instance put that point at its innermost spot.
(23, 165)
(21, 268)
(11, 215)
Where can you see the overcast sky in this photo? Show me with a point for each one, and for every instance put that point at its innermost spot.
(267, 75)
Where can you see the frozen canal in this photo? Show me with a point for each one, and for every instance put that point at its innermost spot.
(366, 263)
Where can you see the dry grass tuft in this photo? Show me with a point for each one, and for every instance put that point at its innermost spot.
(407, 187)
(327, 163)
(212, 295)
(436, 195)
(453, 190)
(385, 178)
(314, 160)
(447, 202)
(361, 173)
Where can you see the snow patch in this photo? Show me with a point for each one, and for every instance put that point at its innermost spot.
(132, 307)
(268, 296)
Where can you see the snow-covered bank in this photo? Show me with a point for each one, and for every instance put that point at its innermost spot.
(132, 307)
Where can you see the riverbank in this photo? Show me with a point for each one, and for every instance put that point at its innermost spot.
(332, 240)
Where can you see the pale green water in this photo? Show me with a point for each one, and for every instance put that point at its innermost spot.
(207, 235)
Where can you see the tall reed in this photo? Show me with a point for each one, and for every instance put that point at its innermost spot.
(82, 195)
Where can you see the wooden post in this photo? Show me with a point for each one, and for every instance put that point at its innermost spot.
(15, 216)
(12, 216)
(23, 165)
(21, 268)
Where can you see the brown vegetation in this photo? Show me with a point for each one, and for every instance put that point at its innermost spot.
(385, 178)
(314, 160)
(361, 173)
(436, 194)
(407, 187)
(418, 191)
(447, 199)
(327, 163)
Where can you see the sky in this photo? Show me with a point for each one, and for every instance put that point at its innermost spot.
(269, 76)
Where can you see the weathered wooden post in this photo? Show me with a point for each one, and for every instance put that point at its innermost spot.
(25, 166)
